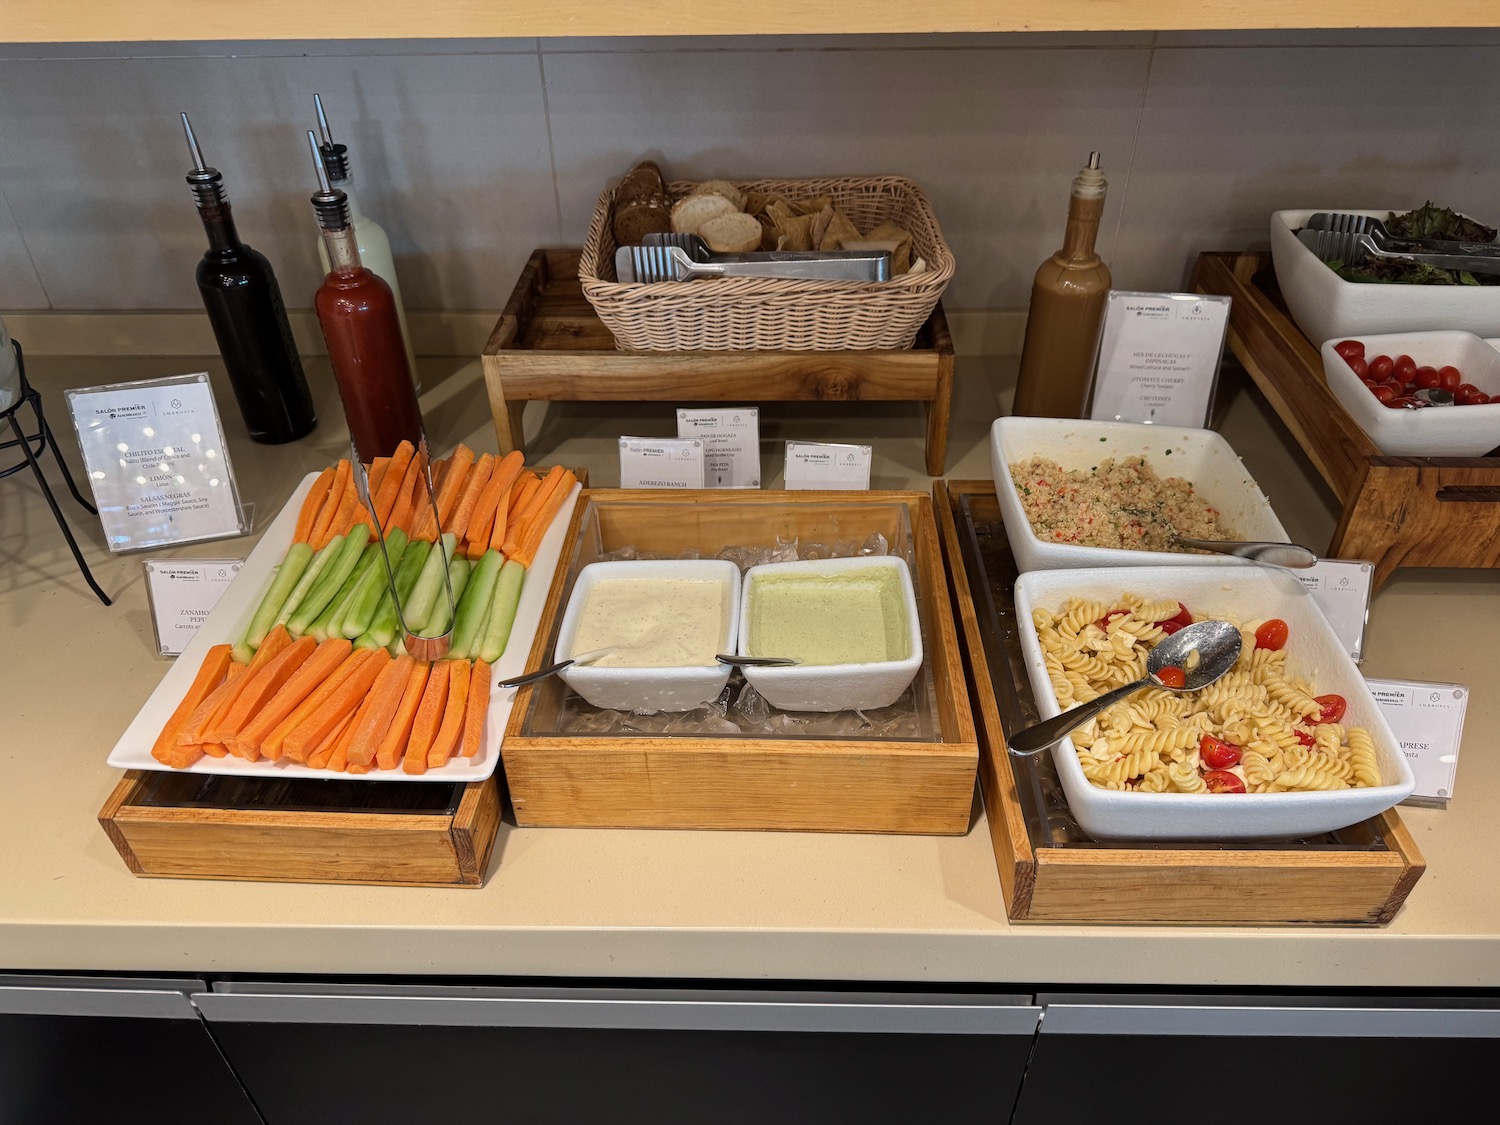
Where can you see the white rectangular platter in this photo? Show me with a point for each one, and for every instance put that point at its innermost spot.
(233, 612)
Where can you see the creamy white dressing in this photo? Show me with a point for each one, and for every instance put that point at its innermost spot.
(653, 622)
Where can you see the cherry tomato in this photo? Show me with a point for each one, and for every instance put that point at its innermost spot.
(1383, 392)
(1304, 736)
(1404, 368)
(1333, 707)
(1168, 627)
(1449, 378)
(1427, 378)
(1104, 621)
(1350, 349)
(1172, 677)
(1382, 366)
(1222, 781)
(1216, 753)
(1359, 367)
(1479, 398)
(1184, 616)
(1272, 634)
(1462, 392)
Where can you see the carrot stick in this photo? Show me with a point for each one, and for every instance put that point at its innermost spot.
(312, 504)
(324, 750)
(531, 541)
(273, 746)
(452, 730)
(479, 707)
(406, 499)
(429, 715)
(210, 675)
(214, 749)
(218, 702)
(508, 468)
(259, 690)
(314, 671)
(479, 476)
(502, 518)
(378, 468)
(395, 479)
(343, 520)
(521, 523)
(477, 537)
(322, 530)
(338, 757)
(345, 700)
(393, 745)
(481, 526)
(454, 478)
(236, 670)
(384, 701)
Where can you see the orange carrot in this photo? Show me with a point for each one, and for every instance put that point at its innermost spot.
(324, 750)
(322, 530)
(273, 746)
(236, 670)
(259, 690)
(502, 518)
(508, 468)
(452, 730)
(519, 525)
(396, 478)
(482, 525)
(210, 675)
(218, 702)
(376, 476)
(338, 757)
(343, 519)
(344, 700)
(479, 476)
(429, 715)
(406, 499)
(521, 494)
(213, 749)
(454, 478)
(314, 671)
(393, 745)
(384, 702)
(312, 504)
(531, 540)
(479, 706)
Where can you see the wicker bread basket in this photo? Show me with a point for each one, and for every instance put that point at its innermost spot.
(777, 314)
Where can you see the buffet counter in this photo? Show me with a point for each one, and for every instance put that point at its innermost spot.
(663, 904)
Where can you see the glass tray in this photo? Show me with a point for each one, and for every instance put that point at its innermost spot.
(1049, 823)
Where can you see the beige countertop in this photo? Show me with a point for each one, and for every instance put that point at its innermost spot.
(596, 903)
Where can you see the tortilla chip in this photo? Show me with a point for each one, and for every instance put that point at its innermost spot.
(820, 226)
(796, 233)
(838, 229)
(812, 206)
(888, 236)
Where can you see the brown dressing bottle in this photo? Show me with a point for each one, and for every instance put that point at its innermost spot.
(1067, 305)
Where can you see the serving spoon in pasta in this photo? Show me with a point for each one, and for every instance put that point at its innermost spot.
(1188, 660)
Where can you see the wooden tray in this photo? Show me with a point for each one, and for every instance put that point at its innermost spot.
(743, 782)
(1398, 511)
(192, 826)
(550, 345)
(1050, 872)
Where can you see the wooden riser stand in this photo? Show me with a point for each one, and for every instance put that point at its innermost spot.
(1398, 511)
(549, 346)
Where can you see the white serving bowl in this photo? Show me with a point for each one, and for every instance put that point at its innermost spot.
(1202, 456)
(1449, 431)
(1326, 305)
(650, 689)
(834, 687)
(1314, 651)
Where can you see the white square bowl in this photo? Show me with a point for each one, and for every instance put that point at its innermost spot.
(1448, 431)
(1314, 651)
(834, 687)
(1325, 305)
(1201, 456)
(650, 689)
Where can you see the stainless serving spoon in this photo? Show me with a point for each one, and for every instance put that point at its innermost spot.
(554, 669)
(757, 661)
(1203, 651)
(1292, 555)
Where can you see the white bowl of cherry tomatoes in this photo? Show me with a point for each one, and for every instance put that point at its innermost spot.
(1419, 394)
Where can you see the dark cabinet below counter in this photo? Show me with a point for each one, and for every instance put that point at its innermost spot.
(566, 1056)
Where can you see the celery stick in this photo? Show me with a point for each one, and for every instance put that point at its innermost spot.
(298, 556)
(474, 610)
(367, 640)
(335, 574)
(372, 584)
(309, 579)
(424, 595)
(442, 612)
(386, 624)
(502, 611)
(343, 601)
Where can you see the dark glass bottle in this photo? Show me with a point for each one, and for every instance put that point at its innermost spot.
(358, 315)
(244, 306)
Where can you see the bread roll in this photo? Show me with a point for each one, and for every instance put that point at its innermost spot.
(724, 188)
(691, 213)
(732, 234)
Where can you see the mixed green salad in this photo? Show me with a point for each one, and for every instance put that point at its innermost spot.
(1427, 221)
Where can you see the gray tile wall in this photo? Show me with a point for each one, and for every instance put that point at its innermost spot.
(474, 152)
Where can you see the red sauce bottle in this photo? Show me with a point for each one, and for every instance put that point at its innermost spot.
(358, 315)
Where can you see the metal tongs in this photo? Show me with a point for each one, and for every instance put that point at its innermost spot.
(419, 646)
(685, 257)
(1346, 222)
(1352, 247)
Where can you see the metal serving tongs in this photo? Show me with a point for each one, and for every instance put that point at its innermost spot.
(423, 648)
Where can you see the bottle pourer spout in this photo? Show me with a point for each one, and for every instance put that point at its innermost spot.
(1093, 160)
(324, 131)
(317, 158)
(192, 142)
(329, 203)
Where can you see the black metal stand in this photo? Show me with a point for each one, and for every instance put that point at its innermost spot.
(43, 438)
